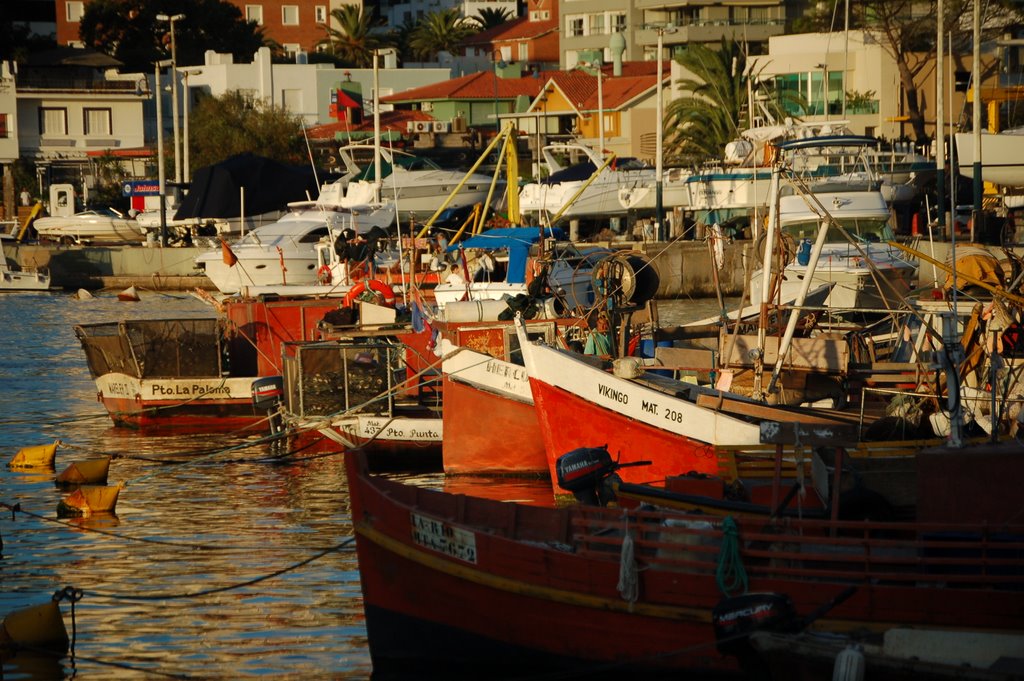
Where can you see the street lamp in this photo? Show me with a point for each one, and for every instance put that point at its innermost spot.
(174, 91)
(659, 207)
(186, 105)
(161, 179)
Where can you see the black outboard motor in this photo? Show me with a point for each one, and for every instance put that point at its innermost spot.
(589, 473)
(737, 617)
(267, 395)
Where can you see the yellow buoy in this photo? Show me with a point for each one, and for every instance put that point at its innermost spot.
(38, 626)
(38, 456)
(89, 499)
(88, 472)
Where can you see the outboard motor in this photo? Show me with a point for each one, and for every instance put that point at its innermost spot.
(737, 617)
(590, 474)
(267, 395)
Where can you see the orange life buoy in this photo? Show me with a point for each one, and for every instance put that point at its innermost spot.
(323, 275)
(385, 291)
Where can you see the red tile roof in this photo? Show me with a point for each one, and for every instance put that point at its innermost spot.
(517, 29)
(389, 121)
(479, 85)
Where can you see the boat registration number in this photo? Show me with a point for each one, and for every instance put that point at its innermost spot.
(441, 537)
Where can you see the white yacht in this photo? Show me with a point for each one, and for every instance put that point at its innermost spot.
(568, 189)
(416, 185)
(90, 226)
(285, 253)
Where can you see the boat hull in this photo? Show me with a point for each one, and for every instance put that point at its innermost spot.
(580, 405)
(472, 417)
(1002, 157)
(209, 403)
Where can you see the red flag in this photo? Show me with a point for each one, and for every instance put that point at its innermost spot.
(229, 256)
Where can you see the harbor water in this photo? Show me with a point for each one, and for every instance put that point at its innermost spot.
(222, 561)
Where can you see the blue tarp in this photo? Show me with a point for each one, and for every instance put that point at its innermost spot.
(517, 240)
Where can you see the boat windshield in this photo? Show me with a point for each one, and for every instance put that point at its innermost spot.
(273, 234)
(871, 229)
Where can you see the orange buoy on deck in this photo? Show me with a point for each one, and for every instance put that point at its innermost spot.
(38, 626)
(38, 456)
(89, 499)
(88, 472)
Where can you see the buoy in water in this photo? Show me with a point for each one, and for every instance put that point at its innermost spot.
(129, 295)
(38, 456)
(89, 499)
(88, 472)
(83, 294)
(38, 626)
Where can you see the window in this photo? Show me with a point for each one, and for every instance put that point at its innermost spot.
(4, 134)
(290, 15)
(320, 13)
(96, 121)
(254, 13)
(53, 122)
(617, 23)
(574, 26)
(524, 52)
(596, 24)
(74, 11)
(540, 15)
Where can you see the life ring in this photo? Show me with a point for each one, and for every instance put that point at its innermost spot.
(386, 292)
(323, 275)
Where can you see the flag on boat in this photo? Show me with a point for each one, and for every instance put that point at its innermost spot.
(229, 256)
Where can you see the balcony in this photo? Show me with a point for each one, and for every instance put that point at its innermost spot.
(39, 82)
(713, 31)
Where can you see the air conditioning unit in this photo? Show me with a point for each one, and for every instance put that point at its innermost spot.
(422, 126)
(442, 126)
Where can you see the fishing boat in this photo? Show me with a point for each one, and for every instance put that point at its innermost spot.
(15, 278)
(649, 590)
(194, 373)
(486, 391)
(90, 226)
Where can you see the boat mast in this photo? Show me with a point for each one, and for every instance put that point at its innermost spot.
(377, 181)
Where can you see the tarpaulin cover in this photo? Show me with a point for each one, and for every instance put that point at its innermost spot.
(269, 186)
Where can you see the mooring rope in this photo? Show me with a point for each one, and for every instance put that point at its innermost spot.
(730, 574)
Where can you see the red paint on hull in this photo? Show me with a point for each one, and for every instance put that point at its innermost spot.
(485, 433)
(567, 423)
(204, 415)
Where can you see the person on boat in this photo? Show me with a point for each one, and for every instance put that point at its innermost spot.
(599, 341)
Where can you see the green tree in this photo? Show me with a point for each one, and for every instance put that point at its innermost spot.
(489, 17)
(353, 41)
(129, 31)
(221, 127)
(713, 107)
(441, 31)
(399, 38)
(110, 176)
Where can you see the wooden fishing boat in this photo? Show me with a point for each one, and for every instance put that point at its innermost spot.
(195, 373)
(454, 584)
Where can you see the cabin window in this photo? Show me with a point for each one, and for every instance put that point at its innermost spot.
(96, 121)
(314, 236)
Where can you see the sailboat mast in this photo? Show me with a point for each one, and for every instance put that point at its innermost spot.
(377, 180)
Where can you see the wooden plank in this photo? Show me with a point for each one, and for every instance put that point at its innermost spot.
(731, 405)
(787, 433)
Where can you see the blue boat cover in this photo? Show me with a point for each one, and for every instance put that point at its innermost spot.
(517, 240)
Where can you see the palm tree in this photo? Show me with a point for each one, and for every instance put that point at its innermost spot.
(708, 116)
(444, 30)
(353, 41)
(489, 17)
